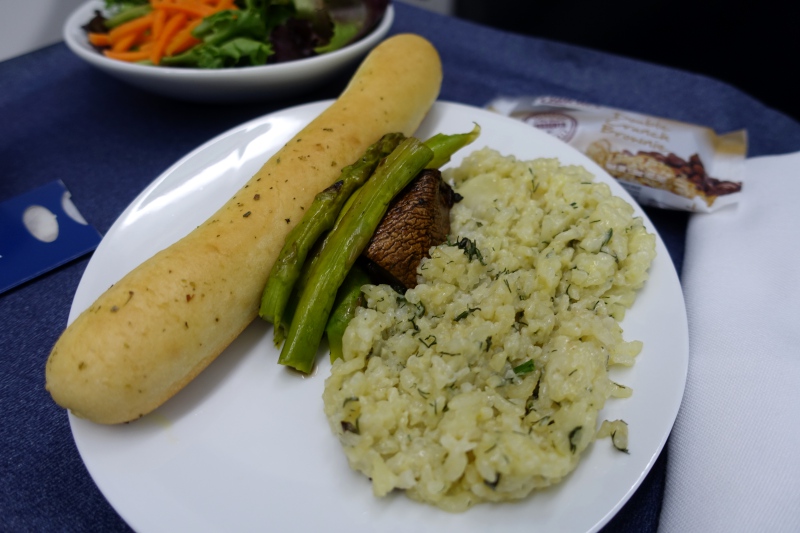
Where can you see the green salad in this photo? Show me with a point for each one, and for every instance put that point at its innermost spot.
(214, 34)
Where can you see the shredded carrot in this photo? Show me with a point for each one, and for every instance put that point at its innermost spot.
(172, 27)
(134, 26)
(159, 19)
(99, 39)
(164, 31)
(186, 8)
(183, 40)
(124, 43)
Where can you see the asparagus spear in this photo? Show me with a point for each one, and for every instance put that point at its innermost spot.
(444, 146)
(348, 298)
(319, 218)
(342, 247)
(302, 279)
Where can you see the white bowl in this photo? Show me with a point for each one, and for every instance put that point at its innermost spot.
(223, 85)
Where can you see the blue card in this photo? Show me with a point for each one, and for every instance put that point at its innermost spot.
(40, 230)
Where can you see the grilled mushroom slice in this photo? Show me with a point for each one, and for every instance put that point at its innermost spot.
(418, 218)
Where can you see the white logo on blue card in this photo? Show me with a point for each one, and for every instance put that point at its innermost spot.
(39, 231)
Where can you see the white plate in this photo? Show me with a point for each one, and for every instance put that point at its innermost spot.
(223, 85)
(246, 446)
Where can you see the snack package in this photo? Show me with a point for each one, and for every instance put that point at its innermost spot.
(661, 162)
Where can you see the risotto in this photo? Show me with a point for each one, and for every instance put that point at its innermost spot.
(485, 381)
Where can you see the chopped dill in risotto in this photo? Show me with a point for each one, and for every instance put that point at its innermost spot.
(484, 382)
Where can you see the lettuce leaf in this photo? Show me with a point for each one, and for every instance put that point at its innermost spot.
(231, 24)
(343, 34)
(235, 52)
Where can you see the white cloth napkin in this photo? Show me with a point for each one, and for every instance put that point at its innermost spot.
(734, 453)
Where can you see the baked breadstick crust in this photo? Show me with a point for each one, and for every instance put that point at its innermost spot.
(156, 329)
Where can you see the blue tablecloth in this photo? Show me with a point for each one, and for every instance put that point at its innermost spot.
(61, 119)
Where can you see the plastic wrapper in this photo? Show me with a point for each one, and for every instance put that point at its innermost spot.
(660, 162)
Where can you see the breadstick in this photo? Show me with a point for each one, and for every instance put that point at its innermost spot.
(153, 331)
